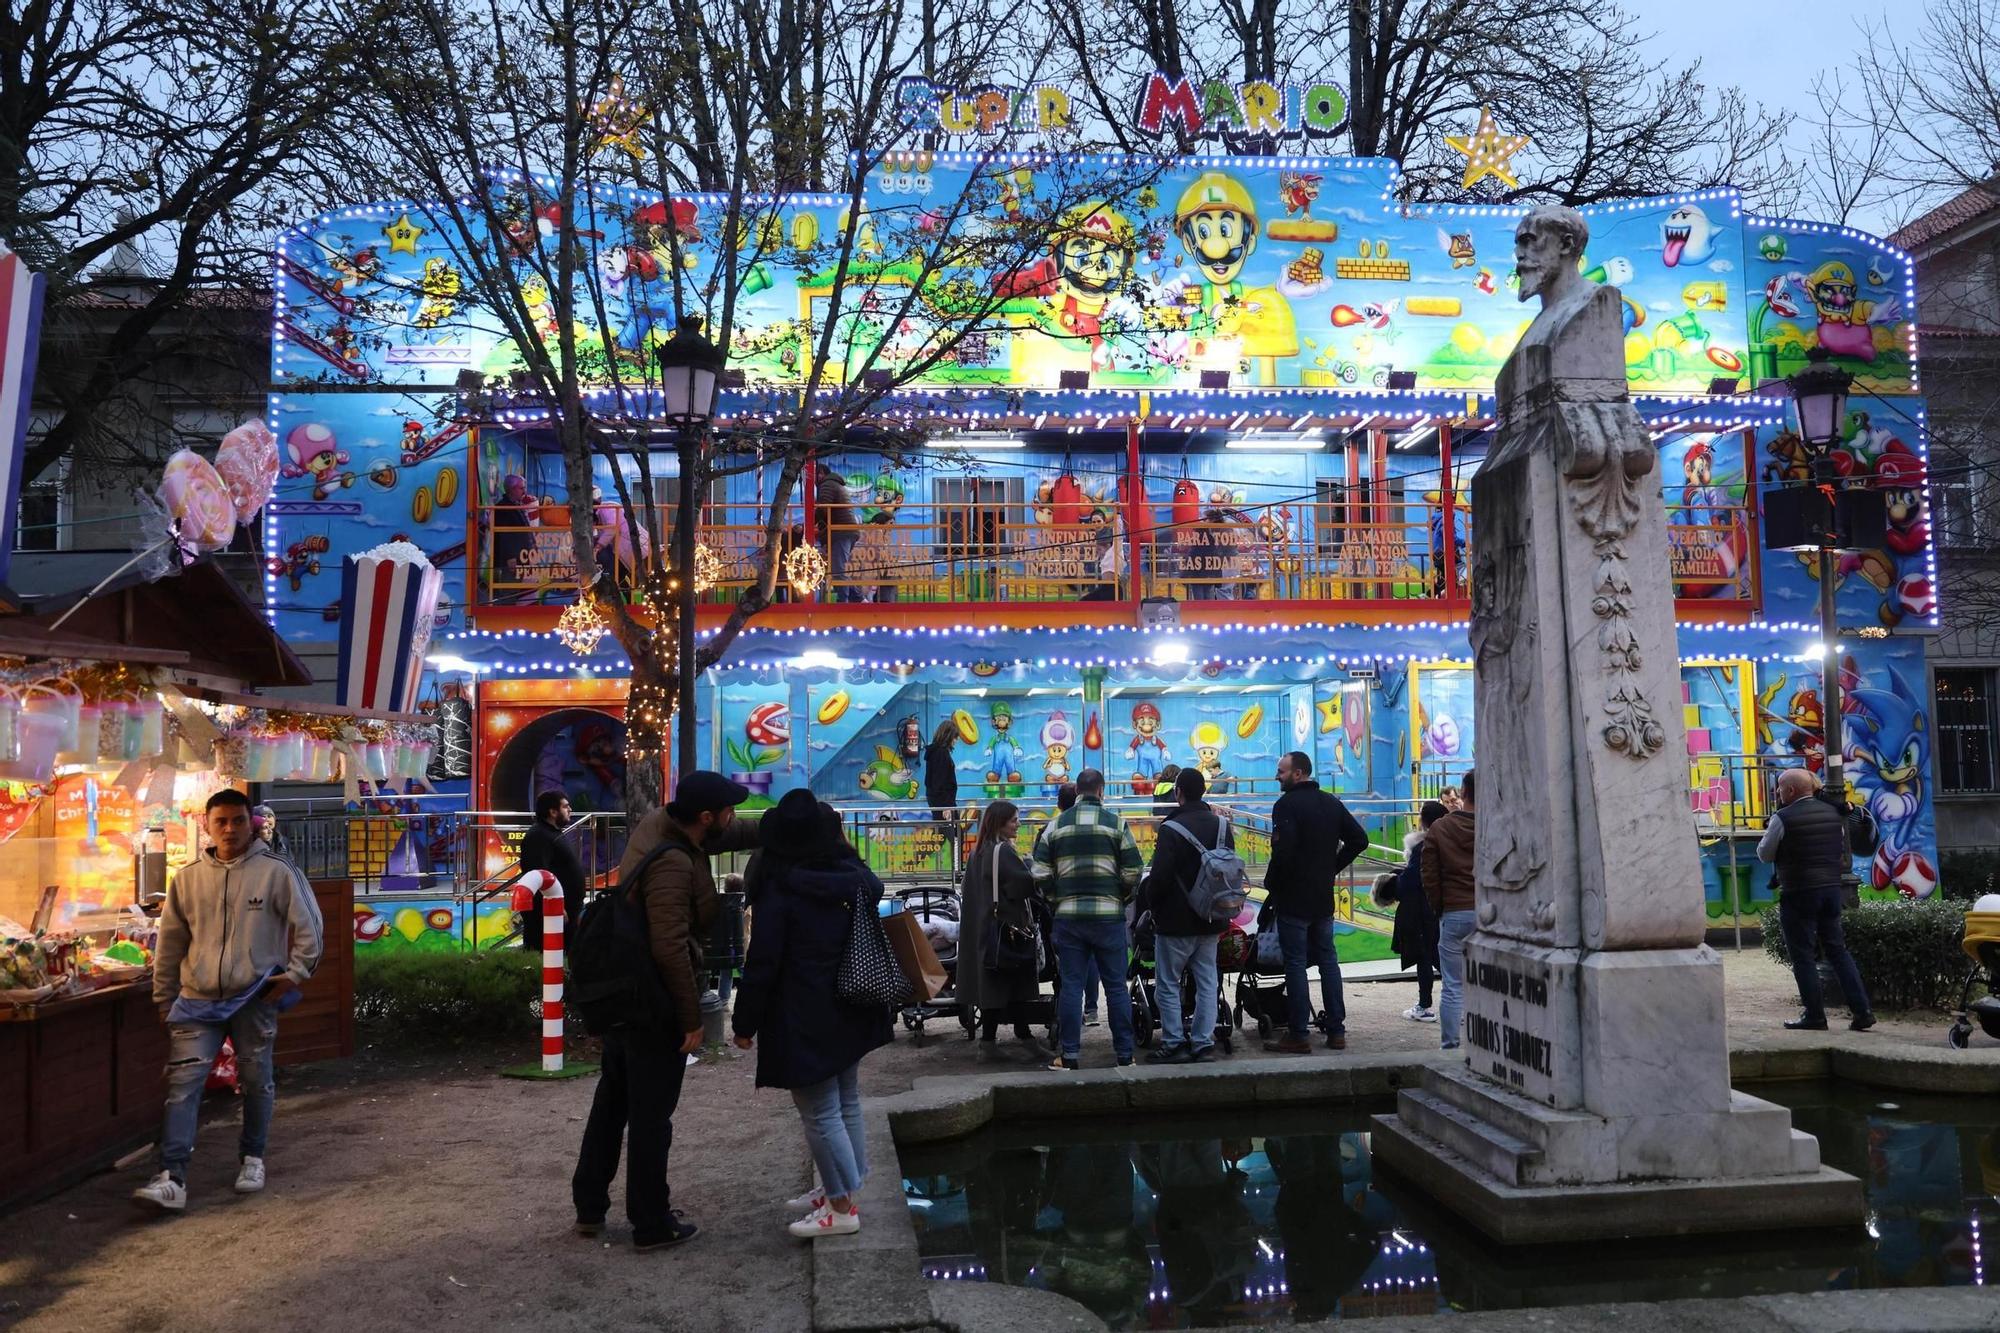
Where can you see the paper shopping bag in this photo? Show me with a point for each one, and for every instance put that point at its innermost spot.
(918, 960)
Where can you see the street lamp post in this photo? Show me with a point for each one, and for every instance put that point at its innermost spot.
(689, 368)
(1819, 394)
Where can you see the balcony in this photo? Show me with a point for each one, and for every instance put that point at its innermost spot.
(1352, 561)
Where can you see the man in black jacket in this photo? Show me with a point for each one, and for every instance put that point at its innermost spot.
(1182, 941)
(543, 848)
(1313, 839)
(1807, 840)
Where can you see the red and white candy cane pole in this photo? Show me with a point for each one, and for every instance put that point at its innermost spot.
(546, 884)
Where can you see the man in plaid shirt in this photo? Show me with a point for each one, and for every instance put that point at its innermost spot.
(1087, 865)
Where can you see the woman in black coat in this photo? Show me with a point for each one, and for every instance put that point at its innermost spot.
(812, 1040)
(1415, 937)
(941, 772)
(998, 884)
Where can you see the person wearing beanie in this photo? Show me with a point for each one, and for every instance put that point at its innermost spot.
(641, 1081)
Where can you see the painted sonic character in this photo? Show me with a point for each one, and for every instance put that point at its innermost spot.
(1216, 220)
(1057, 738)
(1147, 750)
(1892, 747)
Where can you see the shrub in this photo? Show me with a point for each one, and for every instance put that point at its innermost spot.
(448, 995)
(1966, 875)
(1907, 951)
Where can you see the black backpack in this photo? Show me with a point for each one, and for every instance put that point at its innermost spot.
(613, 984)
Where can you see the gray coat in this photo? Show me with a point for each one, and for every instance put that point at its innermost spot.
(977, 986)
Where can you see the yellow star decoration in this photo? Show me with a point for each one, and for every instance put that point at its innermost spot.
(1329, 714)
(403, 234)
(1487, 151)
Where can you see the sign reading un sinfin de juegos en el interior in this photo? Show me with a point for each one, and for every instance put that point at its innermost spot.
(1254, 116)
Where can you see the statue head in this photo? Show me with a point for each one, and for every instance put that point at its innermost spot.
(1547, 246)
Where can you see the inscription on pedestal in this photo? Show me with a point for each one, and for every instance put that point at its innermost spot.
(1516, 1020)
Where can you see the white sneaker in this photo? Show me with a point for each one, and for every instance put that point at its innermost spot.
(1427, 1016)
(811, 1201)
(162, 1192)
(250, 1176)
(1415, 1013)
(823, 1221)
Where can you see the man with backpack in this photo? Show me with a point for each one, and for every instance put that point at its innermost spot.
(1313, 839)
(633, 978)
(1194, 888)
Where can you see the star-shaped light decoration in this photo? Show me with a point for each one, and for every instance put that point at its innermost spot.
(402, 235)
(1488, 151)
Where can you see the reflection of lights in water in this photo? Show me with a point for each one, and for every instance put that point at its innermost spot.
(1874, 1231)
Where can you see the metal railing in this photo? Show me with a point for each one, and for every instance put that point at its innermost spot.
(1019, 551)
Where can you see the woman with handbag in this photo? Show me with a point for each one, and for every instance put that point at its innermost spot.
(797, 999)
(999, 962)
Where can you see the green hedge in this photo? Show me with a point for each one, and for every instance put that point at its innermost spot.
(1907, 951)
(448, 996)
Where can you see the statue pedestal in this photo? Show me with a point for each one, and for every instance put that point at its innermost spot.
(1595, 1097)
(1592, 1104)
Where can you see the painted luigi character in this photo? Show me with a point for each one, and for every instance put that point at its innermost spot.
(1217, 222)
(1003, 757)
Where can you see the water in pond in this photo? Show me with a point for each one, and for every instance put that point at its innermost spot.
(1271, 1217)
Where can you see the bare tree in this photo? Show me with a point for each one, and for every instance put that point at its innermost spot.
(168, 136)
(715, 113)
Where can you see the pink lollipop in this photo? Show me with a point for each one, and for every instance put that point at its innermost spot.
(247, 462)
(198, 501)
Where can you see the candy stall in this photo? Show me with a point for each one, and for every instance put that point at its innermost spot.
(121, 712)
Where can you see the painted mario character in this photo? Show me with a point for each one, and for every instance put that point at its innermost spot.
(1216, 221)
(1147, 749)
(1900, 474)
(1091, 251)
(1003, 757)
(315, 453)
(300, 559)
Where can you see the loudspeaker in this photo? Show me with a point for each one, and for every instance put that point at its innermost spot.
(1074, 379)
(1402, 379)
(1796, 518)
(1861, 517)
(1214, 379)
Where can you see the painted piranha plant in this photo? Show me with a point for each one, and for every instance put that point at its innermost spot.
(766, 734)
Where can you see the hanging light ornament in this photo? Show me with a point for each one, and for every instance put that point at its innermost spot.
(707, 568)
(805, 570)
(581, 626)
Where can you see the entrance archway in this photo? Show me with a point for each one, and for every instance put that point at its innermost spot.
(579, 750)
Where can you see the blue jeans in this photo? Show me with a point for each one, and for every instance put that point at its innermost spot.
(191, 1051)
(840, 549)
(1081, 940)
(1195, 955)
(831, 1113)
(1308, 943)
(1453, 928)
(1815, 915)
(1090, 989)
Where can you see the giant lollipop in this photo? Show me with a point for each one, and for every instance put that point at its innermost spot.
(247, 462)
(198, 502)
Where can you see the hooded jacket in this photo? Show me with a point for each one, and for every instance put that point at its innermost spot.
(227, 923)
(787, 999)
(1447, 864)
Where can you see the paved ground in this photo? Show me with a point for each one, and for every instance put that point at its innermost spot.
(422, 1188)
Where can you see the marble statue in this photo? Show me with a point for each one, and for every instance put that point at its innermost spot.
(1596, 1072)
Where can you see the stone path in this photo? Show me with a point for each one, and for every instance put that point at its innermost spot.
(422, 1189)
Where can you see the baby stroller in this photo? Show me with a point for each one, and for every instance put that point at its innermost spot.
(935, 907)
(1143, 978)
(1982, 946)
(1260, 987)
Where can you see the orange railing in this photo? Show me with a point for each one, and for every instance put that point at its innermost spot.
(962, 553)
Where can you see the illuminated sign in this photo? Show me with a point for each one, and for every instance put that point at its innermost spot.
(1244, 116)
(987, 110)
